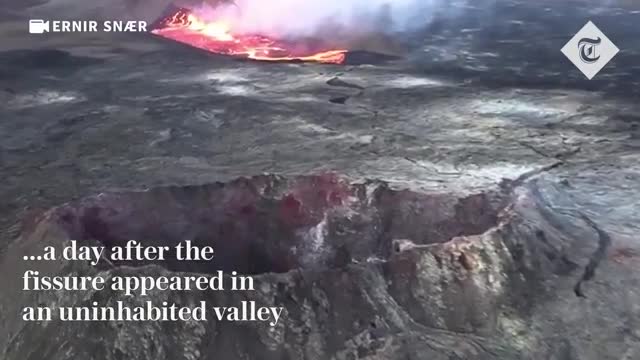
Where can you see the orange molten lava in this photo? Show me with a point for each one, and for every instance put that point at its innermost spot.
(217, 37)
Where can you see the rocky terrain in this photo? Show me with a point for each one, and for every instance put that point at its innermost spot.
(476, 198)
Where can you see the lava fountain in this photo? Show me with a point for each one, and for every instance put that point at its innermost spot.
(218, 37)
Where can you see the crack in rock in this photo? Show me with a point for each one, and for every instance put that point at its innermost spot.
(604, 241)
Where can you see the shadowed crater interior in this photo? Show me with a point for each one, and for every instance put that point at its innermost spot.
(275, 224)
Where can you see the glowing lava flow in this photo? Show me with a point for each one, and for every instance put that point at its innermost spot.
(185, 27)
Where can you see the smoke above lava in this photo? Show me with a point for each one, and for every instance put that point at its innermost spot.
(276, 17)
(350, 24)
(285, 18)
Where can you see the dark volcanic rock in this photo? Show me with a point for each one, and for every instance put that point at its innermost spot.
(364, 271)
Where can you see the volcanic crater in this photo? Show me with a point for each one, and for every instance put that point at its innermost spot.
(347, 259)
(275, 224)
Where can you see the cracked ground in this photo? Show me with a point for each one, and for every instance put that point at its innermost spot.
(482, 96)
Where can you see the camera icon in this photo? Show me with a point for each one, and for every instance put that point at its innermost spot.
(38, 26)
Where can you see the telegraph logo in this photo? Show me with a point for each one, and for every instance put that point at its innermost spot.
(590, 50)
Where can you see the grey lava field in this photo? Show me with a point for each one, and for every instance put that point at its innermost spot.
(460, 191)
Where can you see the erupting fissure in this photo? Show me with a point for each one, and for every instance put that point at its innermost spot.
(186, 27)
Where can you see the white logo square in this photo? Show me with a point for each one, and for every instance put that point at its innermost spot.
(590, 50)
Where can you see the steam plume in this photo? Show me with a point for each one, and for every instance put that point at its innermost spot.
(302, 17)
